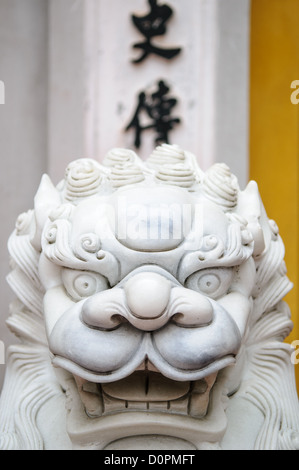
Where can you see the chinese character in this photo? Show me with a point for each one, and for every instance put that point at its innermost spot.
(157, 108)
(151, 25)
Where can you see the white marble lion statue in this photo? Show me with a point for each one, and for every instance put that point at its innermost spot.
(149, 312)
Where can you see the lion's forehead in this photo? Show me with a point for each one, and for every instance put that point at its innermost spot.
(155, 220)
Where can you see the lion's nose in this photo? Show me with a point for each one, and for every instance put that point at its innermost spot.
(147, 295)
(148, 301)
(142, 301)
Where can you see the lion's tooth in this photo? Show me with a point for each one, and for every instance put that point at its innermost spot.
(198, 405)
(179, 406)
(200, 396)
(113, 404)
(136, 405)
(147, 365)
(142, 366)
(90, 396)
(158, 406)
(151, 367)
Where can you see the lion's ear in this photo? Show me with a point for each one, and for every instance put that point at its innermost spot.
(251, 207)
(46, 199)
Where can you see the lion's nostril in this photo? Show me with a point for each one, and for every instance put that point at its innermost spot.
(190, 309)
(147, 295)
(104, 310)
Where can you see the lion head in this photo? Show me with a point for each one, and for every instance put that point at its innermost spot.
(157, 288)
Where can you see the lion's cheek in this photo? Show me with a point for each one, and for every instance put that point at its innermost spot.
(239, 308)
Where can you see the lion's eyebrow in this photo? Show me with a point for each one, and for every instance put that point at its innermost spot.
(85, 254)
(214, 253)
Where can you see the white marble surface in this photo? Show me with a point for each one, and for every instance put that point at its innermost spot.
(90, 106)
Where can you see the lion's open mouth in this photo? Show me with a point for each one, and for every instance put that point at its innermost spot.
(147, 390)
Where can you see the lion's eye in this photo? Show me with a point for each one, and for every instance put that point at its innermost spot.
(85, 285)
(80, 285)
(211, 282)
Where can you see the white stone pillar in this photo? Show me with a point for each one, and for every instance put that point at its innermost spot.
(23, 124)
(71, 97)
(93, 85)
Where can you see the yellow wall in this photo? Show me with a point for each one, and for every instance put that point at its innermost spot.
(274, 126)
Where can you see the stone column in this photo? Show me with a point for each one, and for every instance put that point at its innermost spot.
(93, 84)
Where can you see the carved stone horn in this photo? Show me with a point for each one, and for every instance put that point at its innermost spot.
(251, 207)
(46, 199)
